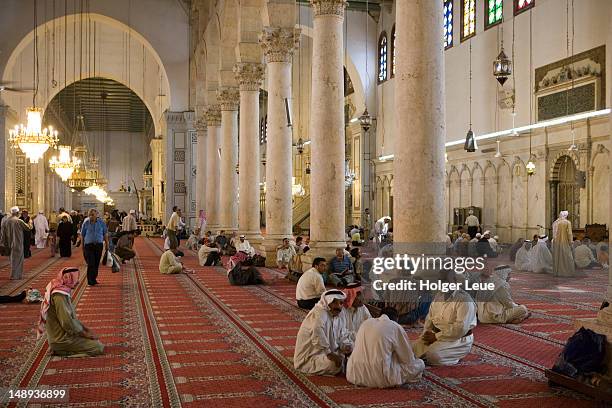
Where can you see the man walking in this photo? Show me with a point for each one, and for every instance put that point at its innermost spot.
(13, 229)
(94, 234)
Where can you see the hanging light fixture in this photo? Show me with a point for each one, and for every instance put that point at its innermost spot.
(365, 120)
(300, 146)
(32, 139)
(498, 154)
(502, 67)
(470, 142)
(572, 147)
(64, 165)
(530, 167)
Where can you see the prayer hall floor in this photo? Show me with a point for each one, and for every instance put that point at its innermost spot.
(197, 341)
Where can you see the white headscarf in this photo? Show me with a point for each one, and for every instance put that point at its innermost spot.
(328, 297)
(564, 214)
(14, 210)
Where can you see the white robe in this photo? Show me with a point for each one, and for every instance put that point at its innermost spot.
(451, 320)
(320, 334)
(203, 253)
(540, 258)
(353, 318)
(522, 261)
(498, 307)
(41, 225)
(382, 356)
(245, 247)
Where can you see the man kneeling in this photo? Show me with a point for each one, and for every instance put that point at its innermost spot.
(322, 341)
(382, 356)
(168, 264)
(66, 335)
(447, 336)
(498, 306)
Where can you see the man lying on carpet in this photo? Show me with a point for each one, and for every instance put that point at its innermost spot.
(447, 336)
(354, 312)
(382, 356)
(498, 306)
(66, 335)
(323, 341)
(168, 264)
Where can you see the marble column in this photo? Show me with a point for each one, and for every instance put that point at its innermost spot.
(213, 121)
(278, 45)
(250, 77)
(418, 166)
(157, 152)
(200, 196)
(228, 203)
(327, 129)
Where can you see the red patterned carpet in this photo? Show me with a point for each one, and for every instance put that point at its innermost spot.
(196, 341)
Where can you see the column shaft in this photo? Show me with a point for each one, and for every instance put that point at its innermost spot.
(419, 99)
(250, 77)
(201, 168)
(213, 119)
(327, 191)
(229, 159)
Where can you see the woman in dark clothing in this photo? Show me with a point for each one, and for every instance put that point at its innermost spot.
(64, 233)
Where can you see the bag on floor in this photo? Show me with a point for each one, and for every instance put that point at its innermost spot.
(583, 354)
(108, 259)
(116, 264)
(242, 276)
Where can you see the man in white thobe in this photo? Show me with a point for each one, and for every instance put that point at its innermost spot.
(243, 245)
(447, 336)
(355, 312)
(311, 286)
(522, 260)
(497, 306)
(381, 229)
(129, 222)
(473, 223)
(583, 256)
(11, 237)
(284, 254)
(540, 258)
(322, 341)
(41, 226)
(382, 356)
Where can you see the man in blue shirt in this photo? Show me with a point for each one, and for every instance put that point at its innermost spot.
(341, 269)
(93, 235)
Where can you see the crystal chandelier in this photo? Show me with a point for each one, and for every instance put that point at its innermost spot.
(64, 165)
(32, 139)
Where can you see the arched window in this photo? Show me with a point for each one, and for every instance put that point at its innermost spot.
(468, 19)
(393, 52)
(448, 24)
(494, 12)
(382, 57)
(522, 5)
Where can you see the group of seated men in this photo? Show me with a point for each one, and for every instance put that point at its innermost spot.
(339, 334)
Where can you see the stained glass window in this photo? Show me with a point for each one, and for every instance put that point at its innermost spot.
(468, 19)
(448, 24)
(393, 52)
(494, 12)
(522, 5)
(382, 57)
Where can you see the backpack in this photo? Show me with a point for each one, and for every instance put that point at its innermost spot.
(583, 354)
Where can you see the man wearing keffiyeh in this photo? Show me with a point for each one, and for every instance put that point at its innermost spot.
(66, 335)
(323, 341)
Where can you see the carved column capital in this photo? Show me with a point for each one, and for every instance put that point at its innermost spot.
(328, 7)
(213, 116)
(250, 75)
(278, 44)
(229, 99)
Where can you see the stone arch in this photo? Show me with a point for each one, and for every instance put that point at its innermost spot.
(553, 163)
(454, 191)
(504, 200)
(228, 29)
(147, 75)
(565, 189)
(465, 179)
(519, 199)
(477, 185)
(489, 207)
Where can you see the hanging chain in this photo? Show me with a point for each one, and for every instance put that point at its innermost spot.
(470, 84)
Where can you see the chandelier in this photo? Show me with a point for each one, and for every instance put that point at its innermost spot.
(31, 138)
(87, 174)
(64, 166)
(349, 175)
(100, 194)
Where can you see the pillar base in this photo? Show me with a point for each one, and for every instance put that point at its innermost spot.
(323, 249)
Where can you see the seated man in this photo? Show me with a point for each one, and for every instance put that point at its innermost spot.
(497, 306)
(209, 254)
(242, 245)
(284, 254)
(168, 264)
(447, 336)
(341, 269)
(310, 286)
(357, 263)
(123, 249)
(522, 259)
(382, 356)
(192, 241)
(221, 240)
(540, 258)
(355, 312)
(322, 341)
(584, 257)
(483, 246)
(66, 335)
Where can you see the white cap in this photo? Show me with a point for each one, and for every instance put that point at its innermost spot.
(132, 211)
(241, 236)
(487, 233)
(478, 235)
(496, 238)
(14, 210)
